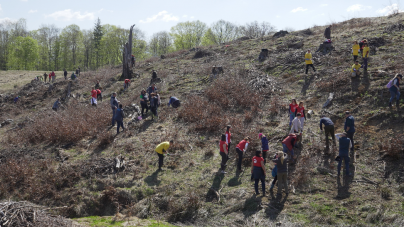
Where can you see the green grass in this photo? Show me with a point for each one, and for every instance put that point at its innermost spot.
(100, 221)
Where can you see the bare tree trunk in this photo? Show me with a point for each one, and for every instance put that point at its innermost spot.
(127, 54)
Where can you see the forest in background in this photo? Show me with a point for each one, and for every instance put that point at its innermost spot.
(52, 48)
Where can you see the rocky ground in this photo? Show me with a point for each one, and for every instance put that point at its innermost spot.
(69, 158)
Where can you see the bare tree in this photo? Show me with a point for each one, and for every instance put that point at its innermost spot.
(256, 30)
(224, 31)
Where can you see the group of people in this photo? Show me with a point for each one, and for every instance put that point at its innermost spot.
(52, 76)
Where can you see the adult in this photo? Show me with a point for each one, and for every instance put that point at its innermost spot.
(362, 43)
(355, 69)
(258, 171)
(132, 60)
(73, 76)
(327, 32)
(174, 102)
(274, 174)
(292, 110)
(344, 145)
(154, 74)
(349, 128)
(99, 94)
(53, 77)
(161, 150)
(355, 50)
(152, 89)
(281, 162)
(114, 105)
(45, 76)
(309, 61)
(119, 115)
(264, 146)
(328, 129)
(143, 102)
(241, 148)
(126, 84)
(300, 109)
(50, 76)
(228, 137)
(395, 89)
(365, 56)
(154, 105)
(56, 105)
(288, 144)
(296, 124)
(94, 97)
(224, 152)
(65, 73)
(97, 85)
(77, 72)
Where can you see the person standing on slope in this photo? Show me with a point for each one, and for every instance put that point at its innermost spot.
(241, 148)
(355, 50)
(99, 94)
(344, 145)
(154, 105)
(395, 89)
(50, 76)
(143, 102)
(161, 150)
(309, 61)
(365, 56)
(45, 76)
(327, 32)
(228, 137)
(349, 128)
(292, 110)
(65, 73)
(224, 152)
(126, 84)
(282, 171)
(119, 115)
(300, 109)
(114, 105)
(264, 146)
(94, 97)
(258, 172)
(296, 124)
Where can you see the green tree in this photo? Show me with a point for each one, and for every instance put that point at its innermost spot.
(23, 53)
(97, 36)
(188, 34)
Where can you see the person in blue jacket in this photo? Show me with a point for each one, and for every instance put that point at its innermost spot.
(119, 115)
(174, 102)
(264, 146)
(349, 128)
(344, 145)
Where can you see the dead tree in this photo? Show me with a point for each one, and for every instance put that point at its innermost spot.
(127, 54)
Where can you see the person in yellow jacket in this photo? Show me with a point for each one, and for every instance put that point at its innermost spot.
(355, 50)
(355, 69)
(162, 149)
(309, 61)
(365, 56)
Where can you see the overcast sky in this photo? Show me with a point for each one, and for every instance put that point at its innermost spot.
(157, 15)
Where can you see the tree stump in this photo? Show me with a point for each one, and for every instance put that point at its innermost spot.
(127, 57)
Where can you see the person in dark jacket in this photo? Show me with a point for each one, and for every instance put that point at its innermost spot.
(45, 76)
(264, 146)
(328, 129)
(114, 105)
(349, 128)
(119, 115)
(327, 32)
(152, 89)
(281, 162)
(56, 105)
(143, 102)
(77, 72)
(154, 74)
(174, 102)
(395, 89)
(154, 105)
(65, 74)
(258, 171)
(274, 174)
(344, 145)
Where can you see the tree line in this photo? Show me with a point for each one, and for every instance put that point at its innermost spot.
(52, 48)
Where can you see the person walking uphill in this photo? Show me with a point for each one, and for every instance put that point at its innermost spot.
(328, 129)
(119, 115)
(344, 145)
(309, 61)
(94, 97)
(224, 152)
(281, 162)
(264, 146)
(292, 110)
(349, 128)
(258, 172)
(241, 148)
(162, 149)
(99, 94)
(327, 32)
(394, 88)
(296, 124)
(114, 105)
(355, 50)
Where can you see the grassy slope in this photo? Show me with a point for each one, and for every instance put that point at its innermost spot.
(319, 197)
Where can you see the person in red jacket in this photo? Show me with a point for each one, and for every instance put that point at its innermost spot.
(99, 94)
(50, 77)
(300, 109)
(241, 149)
(288, 144)
(228, 137)
(224, 152)
(94, 97)
(258, 171)
(126, 84)
(292, 110)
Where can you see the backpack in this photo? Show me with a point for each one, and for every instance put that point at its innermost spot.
(389, 84)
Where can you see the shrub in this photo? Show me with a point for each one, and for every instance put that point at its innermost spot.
(185, 208)
(393, 147)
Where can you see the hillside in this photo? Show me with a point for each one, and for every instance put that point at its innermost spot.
(66, 158)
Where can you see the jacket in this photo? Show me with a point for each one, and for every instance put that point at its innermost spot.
(326, 121)
(350, 122)
(119, 115)
(151, 90)
(308, 58)
(264, 142)
(296, 126)
(282, 168)
(327, 33)
(356, 67)
(355, 49)
(344, 143)
(114, 102)
(290, 141)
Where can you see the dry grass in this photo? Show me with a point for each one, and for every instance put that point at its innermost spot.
(12, 79)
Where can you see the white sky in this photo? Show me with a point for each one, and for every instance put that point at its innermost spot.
(157, 15)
